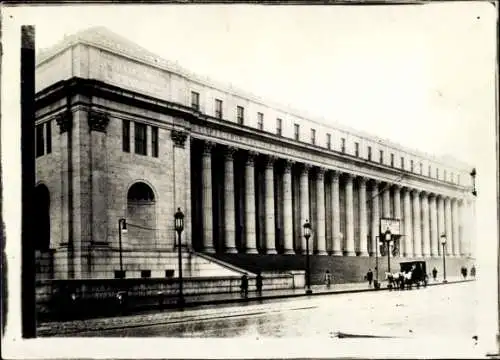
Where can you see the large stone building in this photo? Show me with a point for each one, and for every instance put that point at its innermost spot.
(122, 133)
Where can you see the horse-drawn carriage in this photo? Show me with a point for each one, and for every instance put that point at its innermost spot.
(411, 273)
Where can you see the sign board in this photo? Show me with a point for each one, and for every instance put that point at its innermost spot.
(393, 225)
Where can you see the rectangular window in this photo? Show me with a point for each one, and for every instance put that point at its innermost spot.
(444, 175)
(40, 147)
(402, 163)
(48, 135)
(126, 135)
(296, 131)
(140, 138)
(381, 152)
(392, 160)
(342, 145)
(279, 124)
(452, 177)
(154, 141)
(437, 173)
(313, 136)
(411, 165)
(369, 153)
(218, 109)
(421, 168)
(329, 141)
(195, 100)
(356, 148)
(260, 121)
(145, 273)
(240, 114)
(429, 172)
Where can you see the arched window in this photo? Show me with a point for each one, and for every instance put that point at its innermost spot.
(42, 217)
(141, 216)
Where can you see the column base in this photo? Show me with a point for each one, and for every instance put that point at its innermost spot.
(350, 253)
(363, 254)
(337, 253)
(231, 250)
(322, 252)
(271, 252)
(210, 250)
(289, 252)
(251, 251)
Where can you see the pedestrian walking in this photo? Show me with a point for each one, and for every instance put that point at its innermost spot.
(328, 278)
(258, 283)
(369, 277)
(244, 285)
(434, 273)
(473, 271)
(464, 272)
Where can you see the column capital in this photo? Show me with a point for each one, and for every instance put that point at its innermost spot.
(396, 187)
(320, 172)
(306, 168)
(270, 160)
(288, 165)
(415, 192)
(98, 121)
(251, 155)
(335, 176)
(179, 137)
(65, 121)
(362, 180)
(207, 147)
(229, 152)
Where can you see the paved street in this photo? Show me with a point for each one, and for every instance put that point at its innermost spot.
(447, 310)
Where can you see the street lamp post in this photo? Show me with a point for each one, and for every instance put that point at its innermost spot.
(179, 226)
(443, 242)
(388, 239)
(473, 175)
(122, 228)
(307, 235)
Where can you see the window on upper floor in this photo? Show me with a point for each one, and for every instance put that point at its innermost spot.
(381, 159)
(437, 173)
(356, 149)
(126, 135)
(392, 160)
(195, 100)
(444, 175)
(369, 153)
(40, 144)
(429, 172)
(260, 121)
(240, 114)
(218, 109)
(313, 136)
(329, 141)
(411, 165)
(296, 131)
(140, 138)
(342, 145)
(421, 168)
(48, 136)
(279, 125)
(452, 176)
(402, 163)
(154, 141)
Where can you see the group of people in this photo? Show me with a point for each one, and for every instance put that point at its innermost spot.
(464, 271)
(244, 285)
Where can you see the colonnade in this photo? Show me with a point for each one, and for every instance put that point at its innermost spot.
(340, 227)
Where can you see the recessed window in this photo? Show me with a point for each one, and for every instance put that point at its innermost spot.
(296, 131)
(411, 165)
(329, 141)
(240, 114)
(40, 145)
(452, 177)
(381, 159)
(126, 135)
(169, 273)
(369, 153)
(140, 138)
(279, 124)
(437, 173)
(260, 121)
(421, 168)
(392, 160)
(218, 109)
(429, 172)
(342, 145)
(195, 100)
(154, 141)
(313, 136)
(48, 136)
(402, 163)
(145, 273)
(356, 148)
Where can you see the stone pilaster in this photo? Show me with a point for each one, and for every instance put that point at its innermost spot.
(455, 227)
(287, 208)
(426, 241)
(349, 203)
(441, 222)
(449, 228)
(320, 211)
(304, 202)
(397, 210)
(434, 226)
(417, 233)
(375, 217)
(463, 226)
(337, 245)
(363, 221)
(386, 204)
(408, 249)
(250, 234)
(208, 241)
(229, 211)
(270, 218)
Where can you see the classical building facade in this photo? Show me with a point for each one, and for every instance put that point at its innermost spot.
(122, 133)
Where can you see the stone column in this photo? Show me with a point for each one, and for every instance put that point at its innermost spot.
(375, 217)
(426, 241)
(320, 211)
(229, 211)
(250, 235)
(304, 202)
(287, 208)
(363, 222)
(449, 231)
(462, 235)
(337, 246)
(434, 226)
(208, 240)
(270, 221)
(455, 228)
(417, 234)
(349, 228)
(397, 210)
(386, 204)
(408, 250)
(441, 222)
